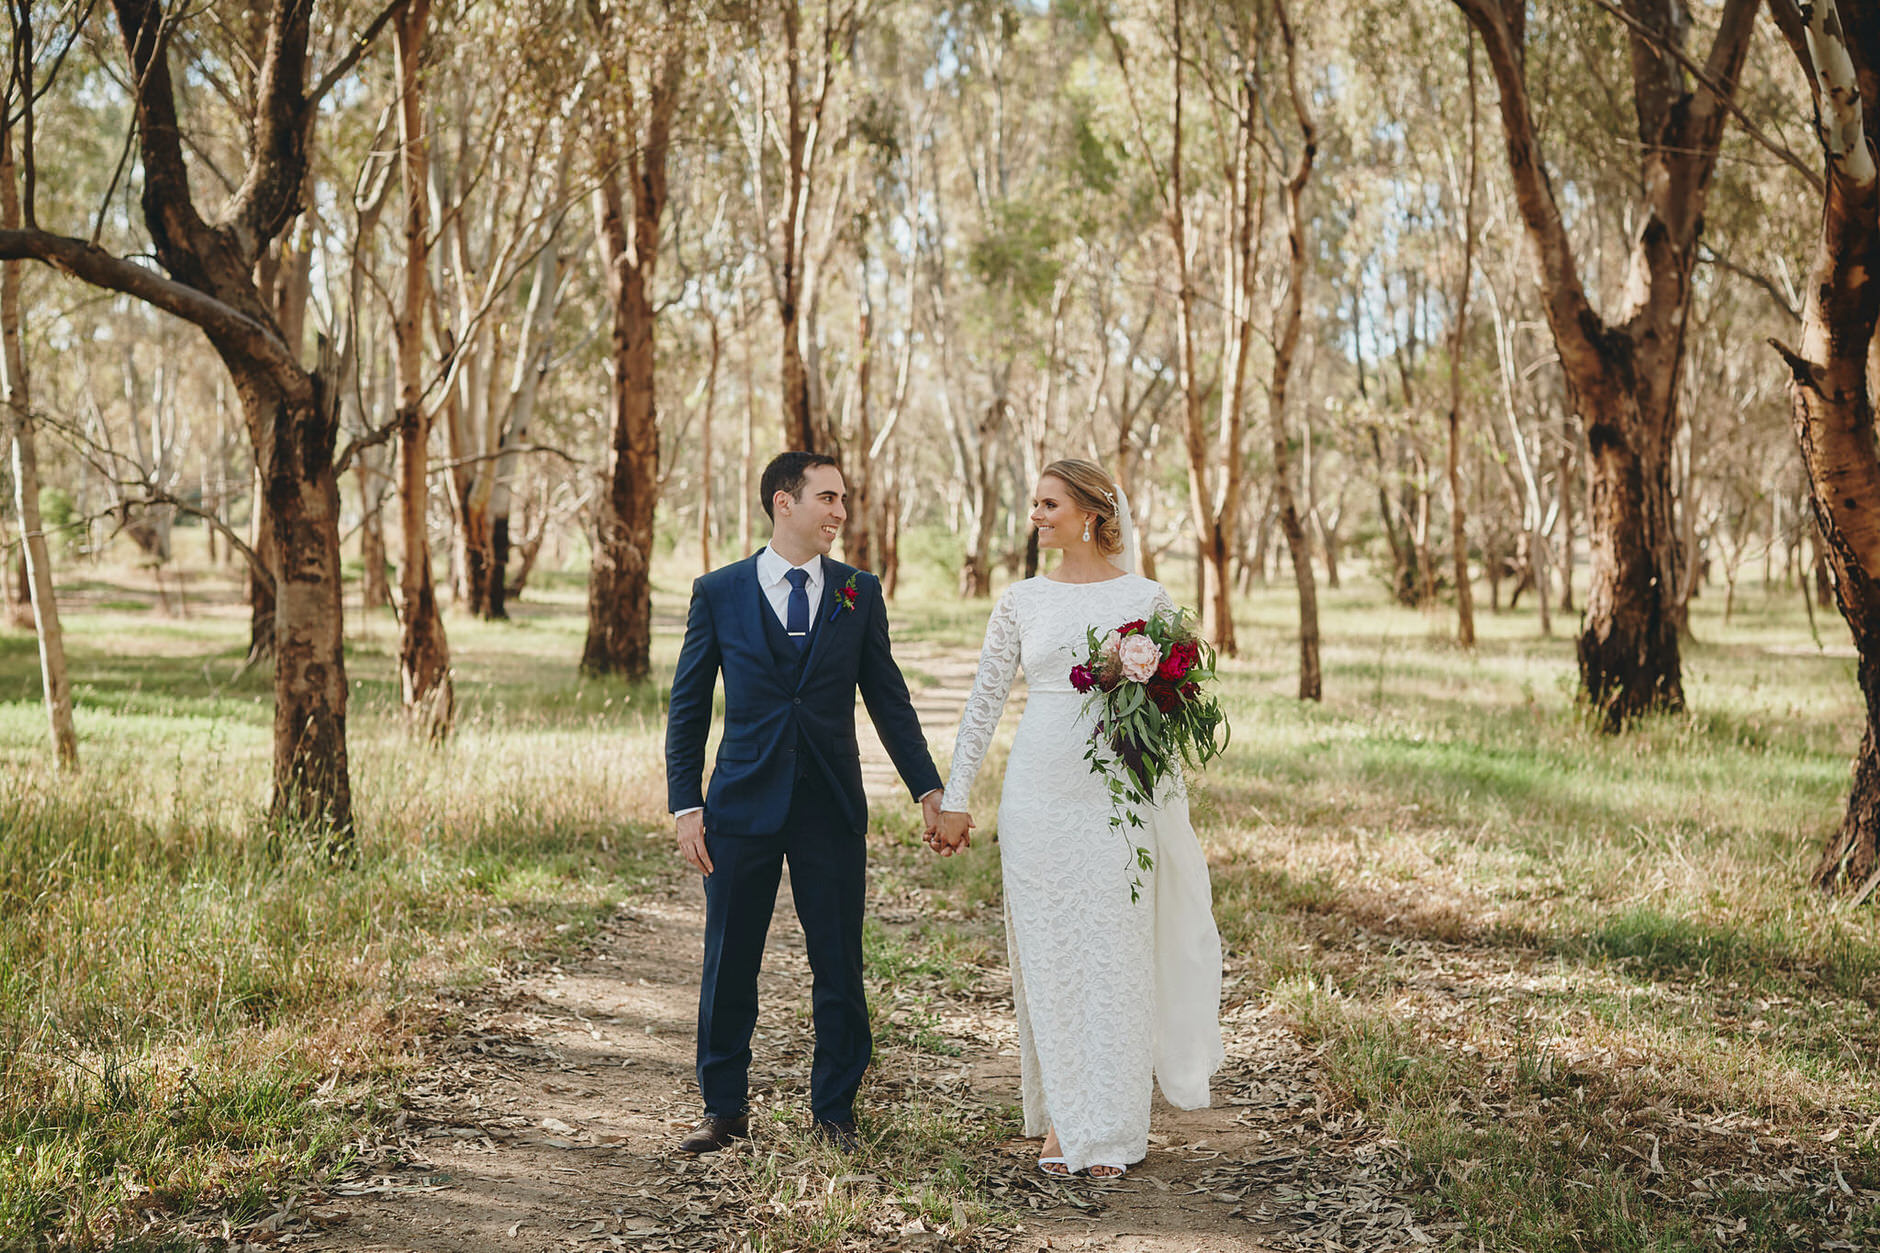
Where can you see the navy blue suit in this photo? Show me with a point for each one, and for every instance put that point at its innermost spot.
(787, 783)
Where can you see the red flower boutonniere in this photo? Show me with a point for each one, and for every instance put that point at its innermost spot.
(845, 599)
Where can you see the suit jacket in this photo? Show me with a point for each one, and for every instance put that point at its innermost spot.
(780, 702)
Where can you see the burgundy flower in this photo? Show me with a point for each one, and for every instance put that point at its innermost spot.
(1082, 679)
(1181, 659)
(1131, 628)
(1163, 692)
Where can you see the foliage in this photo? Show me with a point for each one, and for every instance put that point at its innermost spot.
(1153, 711)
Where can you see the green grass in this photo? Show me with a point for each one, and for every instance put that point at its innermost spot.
(191, 1013)
(1531, 951)
(1535, 950)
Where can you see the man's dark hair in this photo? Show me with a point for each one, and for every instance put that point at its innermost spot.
(787, 473)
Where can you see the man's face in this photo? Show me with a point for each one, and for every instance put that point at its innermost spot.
(815, 517)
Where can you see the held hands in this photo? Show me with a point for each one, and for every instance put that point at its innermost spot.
(930, 814)
(953, 834)
(692, 841)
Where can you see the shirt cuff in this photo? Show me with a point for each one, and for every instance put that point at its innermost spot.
(680, 813)
(932, 791)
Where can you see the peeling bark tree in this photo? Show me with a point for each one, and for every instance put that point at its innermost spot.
(54, 682)
(423, 650)
(620, 595)
(1622, 374)
(1831, 398)
(291, 412)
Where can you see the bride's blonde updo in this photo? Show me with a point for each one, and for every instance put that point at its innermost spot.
(1092, 490)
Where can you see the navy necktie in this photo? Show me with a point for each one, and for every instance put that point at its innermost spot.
(796, 618)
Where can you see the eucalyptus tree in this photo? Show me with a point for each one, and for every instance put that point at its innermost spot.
(999, 240)
(55, 684)
(1831, 389)
(1289, 322)
(791, 79)
(208, 278)
(1622, 370)
(643, 60)
(423, 647)
(505, 185)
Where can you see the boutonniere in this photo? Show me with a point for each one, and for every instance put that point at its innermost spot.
(845, 599)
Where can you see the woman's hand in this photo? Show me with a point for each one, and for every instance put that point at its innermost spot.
(954, 833)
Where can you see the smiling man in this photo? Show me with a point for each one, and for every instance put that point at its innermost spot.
(796, 635)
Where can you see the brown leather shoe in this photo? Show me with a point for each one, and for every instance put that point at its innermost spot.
(715, 1133)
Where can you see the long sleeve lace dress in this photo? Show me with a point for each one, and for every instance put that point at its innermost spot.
(1111, 995)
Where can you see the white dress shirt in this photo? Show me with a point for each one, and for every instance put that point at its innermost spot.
(771, 569)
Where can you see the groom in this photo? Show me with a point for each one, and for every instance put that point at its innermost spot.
(796, 635)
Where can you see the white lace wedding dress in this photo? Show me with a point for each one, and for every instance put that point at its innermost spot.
(1111, 995)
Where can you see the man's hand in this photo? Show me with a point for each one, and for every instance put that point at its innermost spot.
(930, 814)
(692, 841)
(954, 834)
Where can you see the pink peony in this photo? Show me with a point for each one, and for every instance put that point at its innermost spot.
(1139, 657)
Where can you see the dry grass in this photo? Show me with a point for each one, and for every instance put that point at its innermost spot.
(1579, 979)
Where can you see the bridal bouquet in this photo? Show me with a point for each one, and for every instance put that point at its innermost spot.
(1148, 682)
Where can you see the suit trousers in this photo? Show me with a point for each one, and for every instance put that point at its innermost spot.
(828, 878)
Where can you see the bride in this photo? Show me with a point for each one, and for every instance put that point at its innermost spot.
(1111, 995)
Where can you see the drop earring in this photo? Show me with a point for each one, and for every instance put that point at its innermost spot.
(1086, 530)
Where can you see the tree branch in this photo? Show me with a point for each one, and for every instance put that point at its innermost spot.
(1570, 314)
(100, 268)
(270, 194)
(1719, 93)
(500, 453)
(362, 44)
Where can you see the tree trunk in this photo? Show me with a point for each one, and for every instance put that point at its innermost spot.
(261, 607)
(1402, 577)
(208, 279)
(890, 531)
(705, 499)
(1286, 345)
(375, 590)
(1628, 650)
(312, 783)
(423, 650)
(54, 683)
(1458, 521)
(1214, 587)
(1831, 401)
(804, 428)
(620, 595)
(858, 470)
(976, 573)
(1622, 376)
(16, 597)
(747, 444)
(1569, 458)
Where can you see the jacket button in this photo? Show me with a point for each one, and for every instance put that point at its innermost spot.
(797, 701)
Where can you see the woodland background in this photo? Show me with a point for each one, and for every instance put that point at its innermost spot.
(1534, 326)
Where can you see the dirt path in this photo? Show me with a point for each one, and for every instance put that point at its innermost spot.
(548, 1117)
